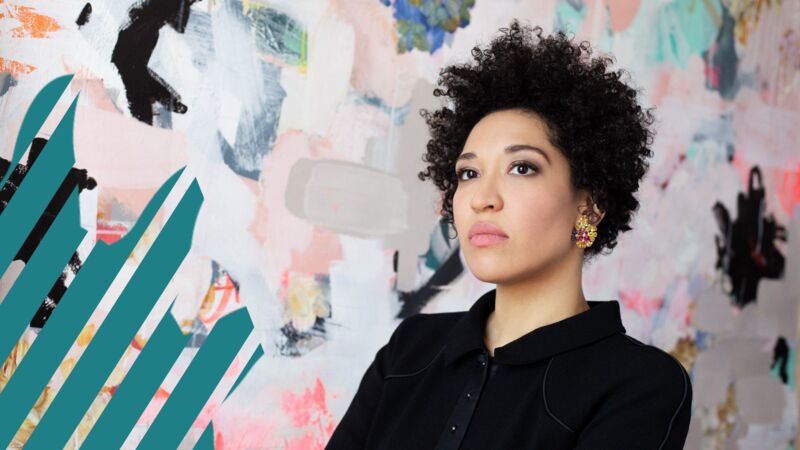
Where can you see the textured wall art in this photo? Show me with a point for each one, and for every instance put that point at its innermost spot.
(299, 120)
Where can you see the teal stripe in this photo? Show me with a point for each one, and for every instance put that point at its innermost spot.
(37, 113)
(69, 318)
(253, 359)
(37, 278)
(206, 441)
(34, 193)
(139, 386)
(198, 383)
(118, 329)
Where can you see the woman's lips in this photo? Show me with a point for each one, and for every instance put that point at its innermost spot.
(486, 240)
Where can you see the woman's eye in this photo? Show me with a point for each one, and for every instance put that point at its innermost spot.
(460, 173)
(531, 167)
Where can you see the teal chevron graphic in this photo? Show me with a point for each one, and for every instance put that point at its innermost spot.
(137, 299)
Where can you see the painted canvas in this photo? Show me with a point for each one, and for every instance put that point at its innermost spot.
(299, 121)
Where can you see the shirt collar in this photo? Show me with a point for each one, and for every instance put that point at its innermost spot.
(602, 319)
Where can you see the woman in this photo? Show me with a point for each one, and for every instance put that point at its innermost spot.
(538, 156)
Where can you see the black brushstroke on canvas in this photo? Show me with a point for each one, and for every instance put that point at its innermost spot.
(83, 17)
(133, 49)
(746, 250)
(76, 178)
(780, 356)
(412, 302)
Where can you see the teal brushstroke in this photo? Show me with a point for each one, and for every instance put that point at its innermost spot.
(198, 383)
(567, 18)
(253, 360)
(439, 246)
(40, 273)
(69, 317)
(40, 184)
(131, 309)
(206, 441)
(35, 117)
(683, 28)
(139, 385)
(278, 34)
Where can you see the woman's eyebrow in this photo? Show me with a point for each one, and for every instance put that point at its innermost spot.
(510, 149)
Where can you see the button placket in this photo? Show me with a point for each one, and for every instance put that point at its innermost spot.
(465, 406)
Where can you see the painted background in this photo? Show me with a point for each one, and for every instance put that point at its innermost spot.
(300, 121)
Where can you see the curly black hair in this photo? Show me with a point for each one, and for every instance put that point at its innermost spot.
(592, 117)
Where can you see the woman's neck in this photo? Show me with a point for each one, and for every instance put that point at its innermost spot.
(523, 307)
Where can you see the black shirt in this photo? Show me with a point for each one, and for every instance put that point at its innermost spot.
(579, 383)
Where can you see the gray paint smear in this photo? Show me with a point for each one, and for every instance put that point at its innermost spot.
(408, 146)
(347, 198)
(712, 312)
(761, 399)
(258, 121)
(728, 359)
(6, 82)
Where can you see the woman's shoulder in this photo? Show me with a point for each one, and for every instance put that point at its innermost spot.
(622, 360)
(621, 369)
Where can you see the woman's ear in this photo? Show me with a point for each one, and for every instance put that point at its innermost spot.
(589, 208)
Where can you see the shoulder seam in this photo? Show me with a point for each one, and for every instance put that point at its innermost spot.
(386, 377)
(683, 377)
(544, 397)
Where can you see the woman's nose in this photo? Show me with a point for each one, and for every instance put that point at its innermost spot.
(486, 196)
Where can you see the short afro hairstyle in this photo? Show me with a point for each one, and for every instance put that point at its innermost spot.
(592, 117)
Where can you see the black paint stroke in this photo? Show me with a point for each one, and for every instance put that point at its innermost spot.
(135, 44)
(780, 356)
(412, 302)
(746, 249)
(83, 17)
(76, 178)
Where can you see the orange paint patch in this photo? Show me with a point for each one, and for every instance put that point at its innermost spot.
(16, 68)
(31, 23)
(788, 189)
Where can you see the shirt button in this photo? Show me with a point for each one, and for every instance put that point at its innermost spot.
(453, 428)
(469, 394)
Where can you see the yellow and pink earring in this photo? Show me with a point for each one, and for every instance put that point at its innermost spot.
(584, 233)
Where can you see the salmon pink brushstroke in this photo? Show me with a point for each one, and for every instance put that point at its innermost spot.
(639, 303)
(309, 409)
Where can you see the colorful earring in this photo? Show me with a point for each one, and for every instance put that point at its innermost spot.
(584, 232)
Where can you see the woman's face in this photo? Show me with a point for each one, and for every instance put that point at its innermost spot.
(505, 181)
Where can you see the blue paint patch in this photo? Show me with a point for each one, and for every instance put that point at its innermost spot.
(425, 24)
(257, 130)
